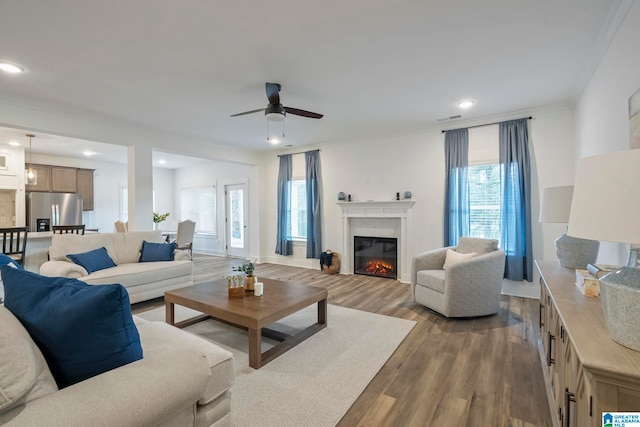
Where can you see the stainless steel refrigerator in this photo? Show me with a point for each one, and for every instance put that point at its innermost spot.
(48, 209)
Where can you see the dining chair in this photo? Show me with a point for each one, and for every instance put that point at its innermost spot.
(68, 229)
(184, 236)
(14, 243)
(120, 228)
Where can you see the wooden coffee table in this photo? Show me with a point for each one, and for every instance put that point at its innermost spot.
(252, 313)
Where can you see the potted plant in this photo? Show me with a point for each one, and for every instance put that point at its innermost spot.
(247, 269)
(159, 218)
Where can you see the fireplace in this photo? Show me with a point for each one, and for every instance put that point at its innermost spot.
(375, 256)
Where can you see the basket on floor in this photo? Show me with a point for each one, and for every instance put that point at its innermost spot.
(330, 262)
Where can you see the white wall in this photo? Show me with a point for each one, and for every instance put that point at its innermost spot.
(219, 173)
(602, 118)
(377, 169)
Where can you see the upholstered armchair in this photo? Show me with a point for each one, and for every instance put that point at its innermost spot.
(460, 281)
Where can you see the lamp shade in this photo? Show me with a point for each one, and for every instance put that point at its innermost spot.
(556, 204)
(606, 199)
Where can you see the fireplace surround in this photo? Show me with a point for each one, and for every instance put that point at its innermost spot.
(378, 218)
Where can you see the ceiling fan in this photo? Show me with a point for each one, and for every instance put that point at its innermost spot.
(275, 111)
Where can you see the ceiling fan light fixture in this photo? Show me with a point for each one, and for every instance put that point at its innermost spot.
(274, 117)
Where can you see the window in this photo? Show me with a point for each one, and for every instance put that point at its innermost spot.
(484, 197)
(298, 214)
(199, 204)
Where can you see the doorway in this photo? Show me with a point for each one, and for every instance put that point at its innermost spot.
(236, 220)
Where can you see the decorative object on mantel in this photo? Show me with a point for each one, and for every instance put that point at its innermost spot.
(407, 194)
(250, 279)
(571, 251)
(31, 175)
(397, 196)
(613, 177)
(349, 198)
(342, 196)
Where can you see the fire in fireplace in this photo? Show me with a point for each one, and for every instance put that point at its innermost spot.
(375, 256)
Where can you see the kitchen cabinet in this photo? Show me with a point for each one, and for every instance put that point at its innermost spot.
(85, 187)
(44, 179)
(63, 180)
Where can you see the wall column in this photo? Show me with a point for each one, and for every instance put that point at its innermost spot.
(140, 185)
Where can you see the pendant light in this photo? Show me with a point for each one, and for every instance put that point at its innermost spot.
(31, 175)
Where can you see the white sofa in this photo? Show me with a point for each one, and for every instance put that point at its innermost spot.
(143, 280)
(182, 380)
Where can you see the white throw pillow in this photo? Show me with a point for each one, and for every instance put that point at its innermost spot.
(454, 257)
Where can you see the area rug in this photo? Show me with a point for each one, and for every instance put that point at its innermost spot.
(314, 383)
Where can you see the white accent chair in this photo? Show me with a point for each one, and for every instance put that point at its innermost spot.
(184, 235)
(469, 287)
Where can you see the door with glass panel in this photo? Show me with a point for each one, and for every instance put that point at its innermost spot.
(236, 222)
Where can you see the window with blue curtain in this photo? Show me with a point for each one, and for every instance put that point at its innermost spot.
(299, 206)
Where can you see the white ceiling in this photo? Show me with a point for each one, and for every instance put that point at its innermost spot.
(372, 67)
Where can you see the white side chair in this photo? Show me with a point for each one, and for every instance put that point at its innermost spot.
(184, 236)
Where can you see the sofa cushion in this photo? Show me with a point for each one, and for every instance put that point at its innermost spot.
(454, 257)
(478, 245)
(152, 252)
(159, 336)
(81, 330)
(131, 275)
(121, 247)
(24, 374)
(97, 259)
(133, 243)
(432, 279)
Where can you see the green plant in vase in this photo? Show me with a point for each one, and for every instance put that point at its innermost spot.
(247, 269)
(157, 218)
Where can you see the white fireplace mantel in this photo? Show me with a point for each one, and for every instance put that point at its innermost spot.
(398, 209)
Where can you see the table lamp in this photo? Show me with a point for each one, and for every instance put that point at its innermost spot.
(606, 206)
(572, 252)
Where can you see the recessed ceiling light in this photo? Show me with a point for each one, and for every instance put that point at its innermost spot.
(467, 103)
(10, 68)
(162, 161)
(14, 143)
(88, 153)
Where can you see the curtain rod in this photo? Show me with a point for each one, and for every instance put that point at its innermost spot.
(299, 152)
(489, 124)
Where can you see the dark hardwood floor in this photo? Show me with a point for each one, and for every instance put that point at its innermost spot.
(468, 372)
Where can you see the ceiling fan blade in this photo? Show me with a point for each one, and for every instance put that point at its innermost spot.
(272, 90)
(303, 113)
(247, 112)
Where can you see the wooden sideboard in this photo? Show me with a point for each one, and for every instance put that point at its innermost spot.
(586, 372)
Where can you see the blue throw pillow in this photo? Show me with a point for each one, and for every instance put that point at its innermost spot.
(82, 330)
(97, 259)
(157, 251)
